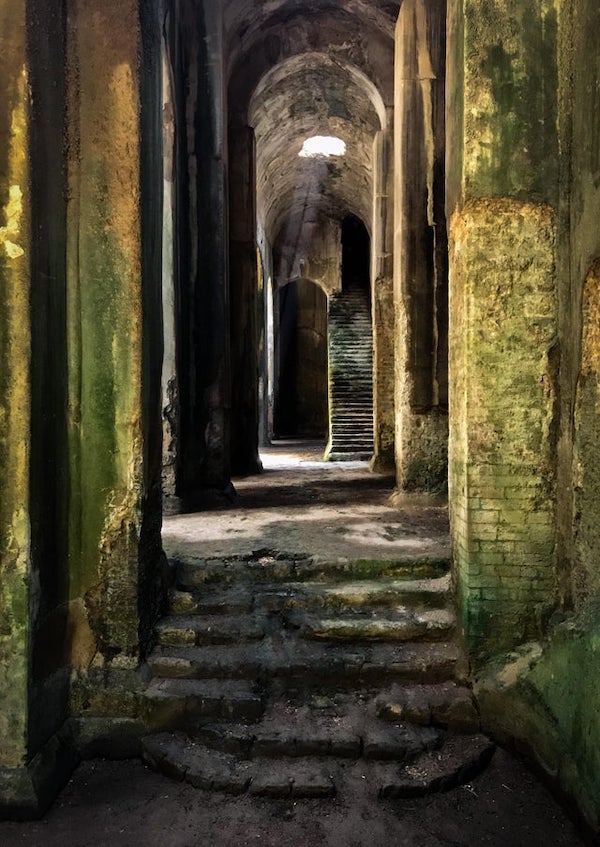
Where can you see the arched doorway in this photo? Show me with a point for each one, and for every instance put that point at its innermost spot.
(300, 390)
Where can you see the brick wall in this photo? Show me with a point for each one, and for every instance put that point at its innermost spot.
(503, 316)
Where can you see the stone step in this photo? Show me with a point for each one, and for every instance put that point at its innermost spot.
(350, 455)
(290, 662)
(211, 601)
(215, 629)
(177, 756)
(174, 703)
(460, 759)
(322, 737)
(181, 758)
(387, 592)
(447, 705)
(196, 573)
(389, 626)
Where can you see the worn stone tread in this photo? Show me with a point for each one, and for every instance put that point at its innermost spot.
(446, 704)
(291, 778)
(177, 701)
(399, 743)
(214, 629)
(177, 756)
(459, 760)
(359, 594)
(291, 659)
(394, 625)
(211, 601)
(270, 739)
(193, 574)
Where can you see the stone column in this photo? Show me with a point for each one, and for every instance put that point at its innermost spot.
(420, 249)
(501, 201)
(196, 54)
(382, 291)
(114, 330)
(243, 276)
(15, 339)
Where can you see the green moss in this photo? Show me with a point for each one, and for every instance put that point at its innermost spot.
(427, 476)
(514, 126)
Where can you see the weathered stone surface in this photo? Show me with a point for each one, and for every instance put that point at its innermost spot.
(15, 402)
(445, 704)
(504, 323)
(403, 627)
(312, 662)
(176, 702)
(400, 743)
(108, 737)
(459, 760)
(221, 629)
(381, 592)
(296, 779)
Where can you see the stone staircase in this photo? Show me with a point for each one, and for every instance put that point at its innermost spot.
(351, 376)
(294, 677)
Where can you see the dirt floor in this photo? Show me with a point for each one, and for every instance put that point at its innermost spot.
(123, 804)
(301, 505)
(305, 506)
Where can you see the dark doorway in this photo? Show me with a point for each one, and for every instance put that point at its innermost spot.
(300, 403)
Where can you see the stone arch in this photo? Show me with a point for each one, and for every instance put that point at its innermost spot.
(352, 52)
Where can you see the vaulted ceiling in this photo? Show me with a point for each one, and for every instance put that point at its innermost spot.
(299, 68)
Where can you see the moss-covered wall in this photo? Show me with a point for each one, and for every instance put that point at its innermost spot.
(15, 276)
(503, 319)
(502, 205)
(111, 441)
(543, 697)
(503, 100)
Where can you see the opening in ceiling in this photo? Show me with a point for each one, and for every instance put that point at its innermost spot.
(322, 146)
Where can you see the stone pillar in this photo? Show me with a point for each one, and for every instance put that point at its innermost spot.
(15, 339)
(243, 276)
(502, 194)
(114, 330)
(382, 291)
(196, 54)
(34, 646)
(170, 393)
(420, 249)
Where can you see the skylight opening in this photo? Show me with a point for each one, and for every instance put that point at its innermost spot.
(322, 147)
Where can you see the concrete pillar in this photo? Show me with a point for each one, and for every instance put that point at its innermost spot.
(420, 249)
(382, 307)
(501, 198)
(243, 277)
